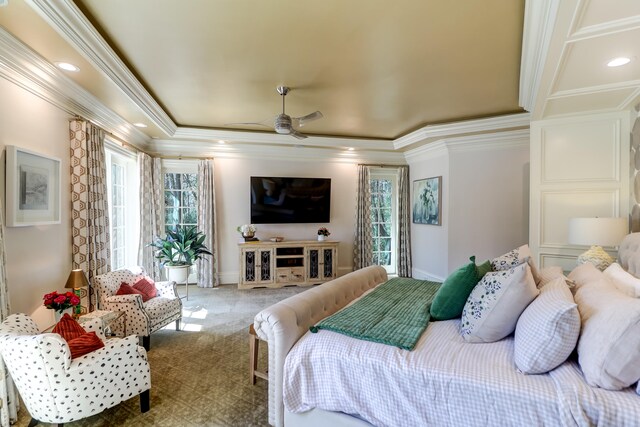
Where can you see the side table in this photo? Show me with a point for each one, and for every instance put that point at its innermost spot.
(108, 319)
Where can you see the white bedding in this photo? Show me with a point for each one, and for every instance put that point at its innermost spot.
(433, 385)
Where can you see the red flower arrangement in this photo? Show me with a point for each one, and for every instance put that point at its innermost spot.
(61, 302)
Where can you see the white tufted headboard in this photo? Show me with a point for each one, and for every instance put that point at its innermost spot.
(629, 254)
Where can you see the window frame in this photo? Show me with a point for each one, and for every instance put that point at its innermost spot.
(391, 175)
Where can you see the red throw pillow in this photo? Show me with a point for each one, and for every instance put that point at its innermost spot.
(147, 286)
(85, 343)
(127, 289)
(68, 328)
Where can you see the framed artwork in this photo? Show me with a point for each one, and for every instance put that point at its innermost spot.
(33, 188)
(427, 201)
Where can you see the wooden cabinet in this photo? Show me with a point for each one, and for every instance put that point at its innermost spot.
(278, 264)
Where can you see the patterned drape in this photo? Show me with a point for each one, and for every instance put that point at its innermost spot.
(91, 249)
(207, 267)
(150, 211)
(404, 223)
(9, 403)
(363, 245)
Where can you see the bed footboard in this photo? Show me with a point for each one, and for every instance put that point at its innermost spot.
(282, 324)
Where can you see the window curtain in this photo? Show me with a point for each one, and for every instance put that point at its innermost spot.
(404, 223)
(363, 245)
(208, 266)
(91, 245)
(9, 403)
(150, 172)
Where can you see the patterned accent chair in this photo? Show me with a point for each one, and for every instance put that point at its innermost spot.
(57, 389)
(142, 318)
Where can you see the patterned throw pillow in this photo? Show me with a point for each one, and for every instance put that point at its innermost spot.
(548, 329)
(514, 258)
(126, 289)
(68, 328)
(147, 286)
(549, 274)
(85, 343)
(493, 308)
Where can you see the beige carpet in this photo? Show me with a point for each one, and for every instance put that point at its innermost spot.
(200, 375)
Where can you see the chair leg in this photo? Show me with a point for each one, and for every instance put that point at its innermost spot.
(144, 401)
(146, 342)
(178, 325)
(33, 422)
(253, 357)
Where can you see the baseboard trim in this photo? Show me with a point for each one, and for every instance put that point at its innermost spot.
(416, 273)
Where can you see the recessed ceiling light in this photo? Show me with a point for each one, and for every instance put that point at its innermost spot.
(140, 125)
(67, 67)
(617, 62)
(220, 141)
(350, 148)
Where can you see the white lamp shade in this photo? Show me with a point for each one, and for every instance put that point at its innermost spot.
(597, 231)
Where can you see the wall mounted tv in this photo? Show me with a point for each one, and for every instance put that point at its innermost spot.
(280, 200)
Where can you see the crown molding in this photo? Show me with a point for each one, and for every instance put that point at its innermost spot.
(470, 143)
(65, 17)
(468, 126)
(605, 28)
(25, 68)
(207, 149)
(539, 21)
(198, 134)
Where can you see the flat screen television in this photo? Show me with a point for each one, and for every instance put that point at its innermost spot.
(282, 200)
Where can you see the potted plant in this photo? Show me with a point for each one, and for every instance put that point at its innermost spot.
(179, 249)
(323, 233)
(61, 303)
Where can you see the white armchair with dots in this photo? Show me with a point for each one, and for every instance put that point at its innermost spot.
(58, 389)
(142, 318)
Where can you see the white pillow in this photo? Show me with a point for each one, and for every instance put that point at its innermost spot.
(496, 302)
(513, 258)
(547, 330)
(548, 274)
(624, 281)
(609, 343)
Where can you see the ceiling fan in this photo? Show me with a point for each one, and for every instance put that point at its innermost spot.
(285, 124)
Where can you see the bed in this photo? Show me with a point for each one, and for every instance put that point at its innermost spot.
(330, 379)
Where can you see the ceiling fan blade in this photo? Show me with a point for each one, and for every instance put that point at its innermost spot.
(247, 123)
(297, 134)
(309, 118)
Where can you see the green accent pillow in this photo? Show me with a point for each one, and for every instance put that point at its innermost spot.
(483, 269)
(453, 293)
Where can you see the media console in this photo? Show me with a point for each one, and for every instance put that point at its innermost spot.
(278, 264)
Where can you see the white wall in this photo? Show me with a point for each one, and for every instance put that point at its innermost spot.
(233, 207)
(489, 202)
(38, 257)
(430, 243)
(485, 200)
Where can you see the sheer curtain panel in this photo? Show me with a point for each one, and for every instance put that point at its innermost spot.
(208, 266)
(91, 249)
(150, 212)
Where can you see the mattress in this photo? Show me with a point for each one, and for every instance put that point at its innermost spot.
(443, 382)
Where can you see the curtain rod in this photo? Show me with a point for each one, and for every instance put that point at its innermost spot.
(122, 142)
(381, 166)
(184, 158)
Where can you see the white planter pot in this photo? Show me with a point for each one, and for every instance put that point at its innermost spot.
(59, 315)
(321, 238)
(178, 273)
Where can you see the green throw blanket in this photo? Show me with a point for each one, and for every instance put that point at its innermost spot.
(395, 313)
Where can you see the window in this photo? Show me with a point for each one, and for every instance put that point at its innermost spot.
(180, 200)
(383, 218)
(122, 189)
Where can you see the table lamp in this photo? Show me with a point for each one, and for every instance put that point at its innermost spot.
(77, 279)
(597, 232)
